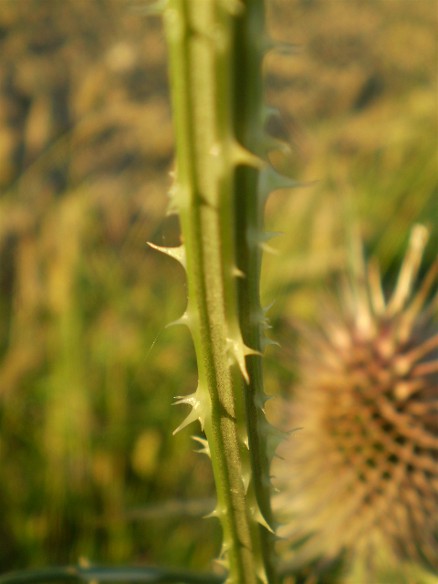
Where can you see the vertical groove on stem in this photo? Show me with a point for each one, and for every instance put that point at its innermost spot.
(216, 49)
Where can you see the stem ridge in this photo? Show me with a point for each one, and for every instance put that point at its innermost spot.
(216, 49)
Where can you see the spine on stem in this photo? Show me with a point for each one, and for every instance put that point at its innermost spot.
(216, 49)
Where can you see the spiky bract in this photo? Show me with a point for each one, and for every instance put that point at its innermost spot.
(360, 479)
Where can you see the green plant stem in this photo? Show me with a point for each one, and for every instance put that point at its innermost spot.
(216, 48)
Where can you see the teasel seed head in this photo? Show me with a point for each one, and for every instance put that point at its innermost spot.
(359, 481)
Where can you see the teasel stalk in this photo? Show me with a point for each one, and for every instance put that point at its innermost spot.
(216, 48)
(359, 480)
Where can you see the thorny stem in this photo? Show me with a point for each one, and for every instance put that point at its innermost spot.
(216, 49)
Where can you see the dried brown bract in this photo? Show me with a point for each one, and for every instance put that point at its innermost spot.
(360, 479)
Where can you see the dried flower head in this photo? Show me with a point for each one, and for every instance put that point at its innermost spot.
(360, 479)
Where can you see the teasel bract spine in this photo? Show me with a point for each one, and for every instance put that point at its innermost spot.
(216, 48)
(359, 481)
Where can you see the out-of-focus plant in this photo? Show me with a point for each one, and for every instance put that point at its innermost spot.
(359, 482)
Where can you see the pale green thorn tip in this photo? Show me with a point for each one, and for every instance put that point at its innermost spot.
(236, 349)
(267, 308)
(271, 180)
(240, 354)
(192, 417)
(237, 273)
(260, 239)
(271, 144)
(243, 156)
(267, 342)
(270, 235)
(190, 400)
(178, 253)
(248, 351)
(260, 401)
(274, 438)
(261, 574)
(258, 516)
(205, 448)
(268, 249)
(183, 320)
(196, 413)
(214, 513)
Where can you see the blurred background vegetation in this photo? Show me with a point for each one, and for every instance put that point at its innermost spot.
(88, 464)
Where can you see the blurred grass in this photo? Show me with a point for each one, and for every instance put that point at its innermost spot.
(87, 370)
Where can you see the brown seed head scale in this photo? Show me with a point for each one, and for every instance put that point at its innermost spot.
(360, 479)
